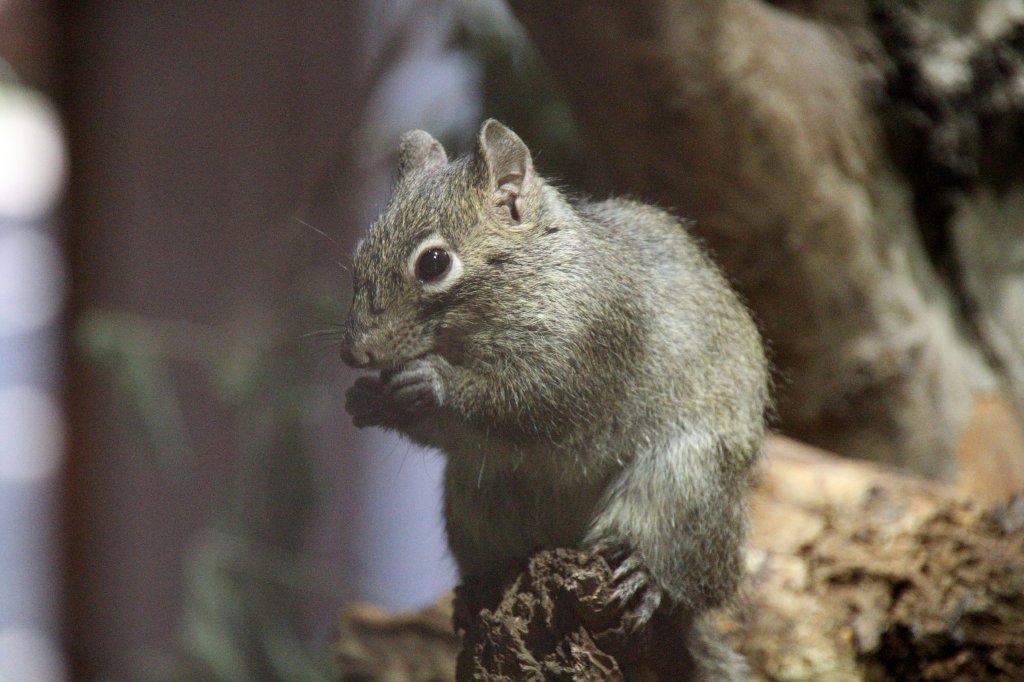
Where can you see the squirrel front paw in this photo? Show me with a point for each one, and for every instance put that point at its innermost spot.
(398, 398)
(364, 402)
(417, 387)
(636, 595)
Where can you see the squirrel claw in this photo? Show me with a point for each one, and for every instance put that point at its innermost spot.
(635, 592)
(613, 554)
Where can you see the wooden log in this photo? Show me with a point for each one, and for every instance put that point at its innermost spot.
(855, 573)
(858, 573)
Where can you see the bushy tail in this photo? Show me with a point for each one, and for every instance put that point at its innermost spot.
(713, 660)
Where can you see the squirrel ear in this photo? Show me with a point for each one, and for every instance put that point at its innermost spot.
(509, 166)
(419, 150)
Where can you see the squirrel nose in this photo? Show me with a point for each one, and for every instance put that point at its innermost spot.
(357, 355)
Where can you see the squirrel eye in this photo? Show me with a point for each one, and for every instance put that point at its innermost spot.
(432, 264)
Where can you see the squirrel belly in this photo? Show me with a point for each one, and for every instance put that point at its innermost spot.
(588, 372)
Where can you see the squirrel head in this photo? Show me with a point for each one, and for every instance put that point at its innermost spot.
(428, 265)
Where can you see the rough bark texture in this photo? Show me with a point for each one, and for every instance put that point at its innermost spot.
(854, 166)
(856, 573)
(552, 622)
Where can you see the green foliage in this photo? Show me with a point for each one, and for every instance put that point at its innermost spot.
(246, 577)
(129, 351)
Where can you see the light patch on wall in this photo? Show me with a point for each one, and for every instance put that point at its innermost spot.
(32, 156)
(31, 281)
(31, 434)
(29, 655)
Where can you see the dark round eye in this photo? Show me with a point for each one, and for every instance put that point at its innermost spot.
(432, 264)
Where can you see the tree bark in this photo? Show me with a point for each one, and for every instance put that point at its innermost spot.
(858, 573)
(862, 199)
(855, 573)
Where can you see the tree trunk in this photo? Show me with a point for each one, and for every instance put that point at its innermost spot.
(855, 167)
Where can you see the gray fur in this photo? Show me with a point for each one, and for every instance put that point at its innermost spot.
(591, 377)
(418, 151)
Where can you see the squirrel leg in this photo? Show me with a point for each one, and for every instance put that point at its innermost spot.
(682, 511)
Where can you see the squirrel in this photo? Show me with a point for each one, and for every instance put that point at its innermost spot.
(590, 376)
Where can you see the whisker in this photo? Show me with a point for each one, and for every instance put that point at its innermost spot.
(480, 474)
(402, 461)
(320, 333)
(317, 230)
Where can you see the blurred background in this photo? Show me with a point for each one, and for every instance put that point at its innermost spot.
(181, 186)
(178, 285)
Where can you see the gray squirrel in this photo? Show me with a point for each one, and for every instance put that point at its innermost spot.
(590, 376)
